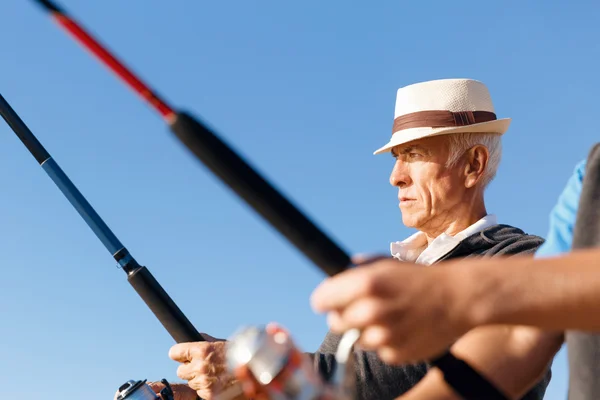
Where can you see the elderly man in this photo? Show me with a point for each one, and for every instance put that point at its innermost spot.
(558, 290)
(446, 144)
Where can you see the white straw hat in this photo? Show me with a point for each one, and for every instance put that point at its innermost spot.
(441, 107)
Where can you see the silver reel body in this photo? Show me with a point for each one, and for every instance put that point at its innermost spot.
(269, 358)
(140, 390)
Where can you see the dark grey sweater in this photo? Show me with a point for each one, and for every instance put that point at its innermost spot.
(379, 381)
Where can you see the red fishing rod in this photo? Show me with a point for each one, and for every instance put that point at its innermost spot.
(243, 179)
(220, 158)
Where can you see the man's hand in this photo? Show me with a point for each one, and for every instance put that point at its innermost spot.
(407, 313)
(203, 365)
(180, 391)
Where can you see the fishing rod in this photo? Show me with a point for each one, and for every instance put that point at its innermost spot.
(140, 278)
(257, 192)
(220, 158)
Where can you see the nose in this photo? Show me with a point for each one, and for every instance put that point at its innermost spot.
(400, 176)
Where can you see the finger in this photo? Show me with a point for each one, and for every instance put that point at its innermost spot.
(375, 336)
(186, 352)
(390, 355)
(334, 320)
(183, 392)
(361, 314)
(189, 371)
(204, 385)
(376, 279)
(180, 391)
(337, 292)
(156, 386)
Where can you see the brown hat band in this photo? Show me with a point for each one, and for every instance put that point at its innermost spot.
(441, 119)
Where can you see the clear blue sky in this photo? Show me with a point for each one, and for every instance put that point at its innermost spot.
(306, 91)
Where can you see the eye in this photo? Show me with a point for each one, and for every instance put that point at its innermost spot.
(414, 155)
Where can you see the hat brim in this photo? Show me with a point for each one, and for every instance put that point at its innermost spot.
(499, 126)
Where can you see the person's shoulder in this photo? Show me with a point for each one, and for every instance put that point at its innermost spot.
(502, 232)
(580, 168)
(579, 172)
(570, 194)
(507, 239)
(564, 214)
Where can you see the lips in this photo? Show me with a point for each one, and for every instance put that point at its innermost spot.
(405, 199)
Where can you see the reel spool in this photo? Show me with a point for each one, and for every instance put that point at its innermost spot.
(266, 360)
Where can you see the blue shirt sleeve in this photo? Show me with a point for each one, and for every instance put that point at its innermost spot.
(563, 216)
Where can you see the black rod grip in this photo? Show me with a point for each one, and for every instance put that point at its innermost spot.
(163, 307)
(49, 6)
(260, 194)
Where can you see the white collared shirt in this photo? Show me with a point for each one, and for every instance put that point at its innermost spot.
(415, 248)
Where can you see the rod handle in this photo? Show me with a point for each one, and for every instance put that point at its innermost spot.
(163, 307)
(226, 164)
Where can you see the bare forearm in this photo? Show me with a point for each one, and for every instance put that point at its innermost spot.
(431, 387)
(512, 358)
(553, 294)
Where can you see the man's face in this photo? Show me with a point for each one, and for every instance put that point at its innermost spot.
(427, 189)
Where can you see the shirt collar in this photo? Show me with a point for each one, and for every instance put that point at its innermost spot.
(415, 248)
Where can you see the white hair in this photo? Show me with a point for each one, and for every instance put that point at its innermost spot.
(461, 142)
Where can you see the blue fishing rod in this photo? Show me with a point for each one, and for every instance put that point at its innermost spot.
(140, 278)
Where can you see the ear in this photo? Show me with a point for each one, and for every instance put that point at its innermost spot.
(476, 160)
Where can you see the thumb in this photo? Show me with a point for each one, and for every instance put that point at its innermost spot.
(181, 391)
(156, 386)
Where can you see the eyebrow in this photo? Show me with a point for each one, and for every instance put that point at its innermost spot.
(406, 150)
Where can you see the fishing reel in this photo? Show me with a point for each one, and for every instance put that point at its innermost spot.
(140, 390)
(268, 364)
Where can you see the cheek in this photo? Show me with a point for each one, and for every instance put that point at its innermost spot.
(432, 187)
(444, 192)
(420, 192)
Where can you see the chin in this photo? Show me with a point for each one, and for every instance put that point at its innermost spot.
(409, 222)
